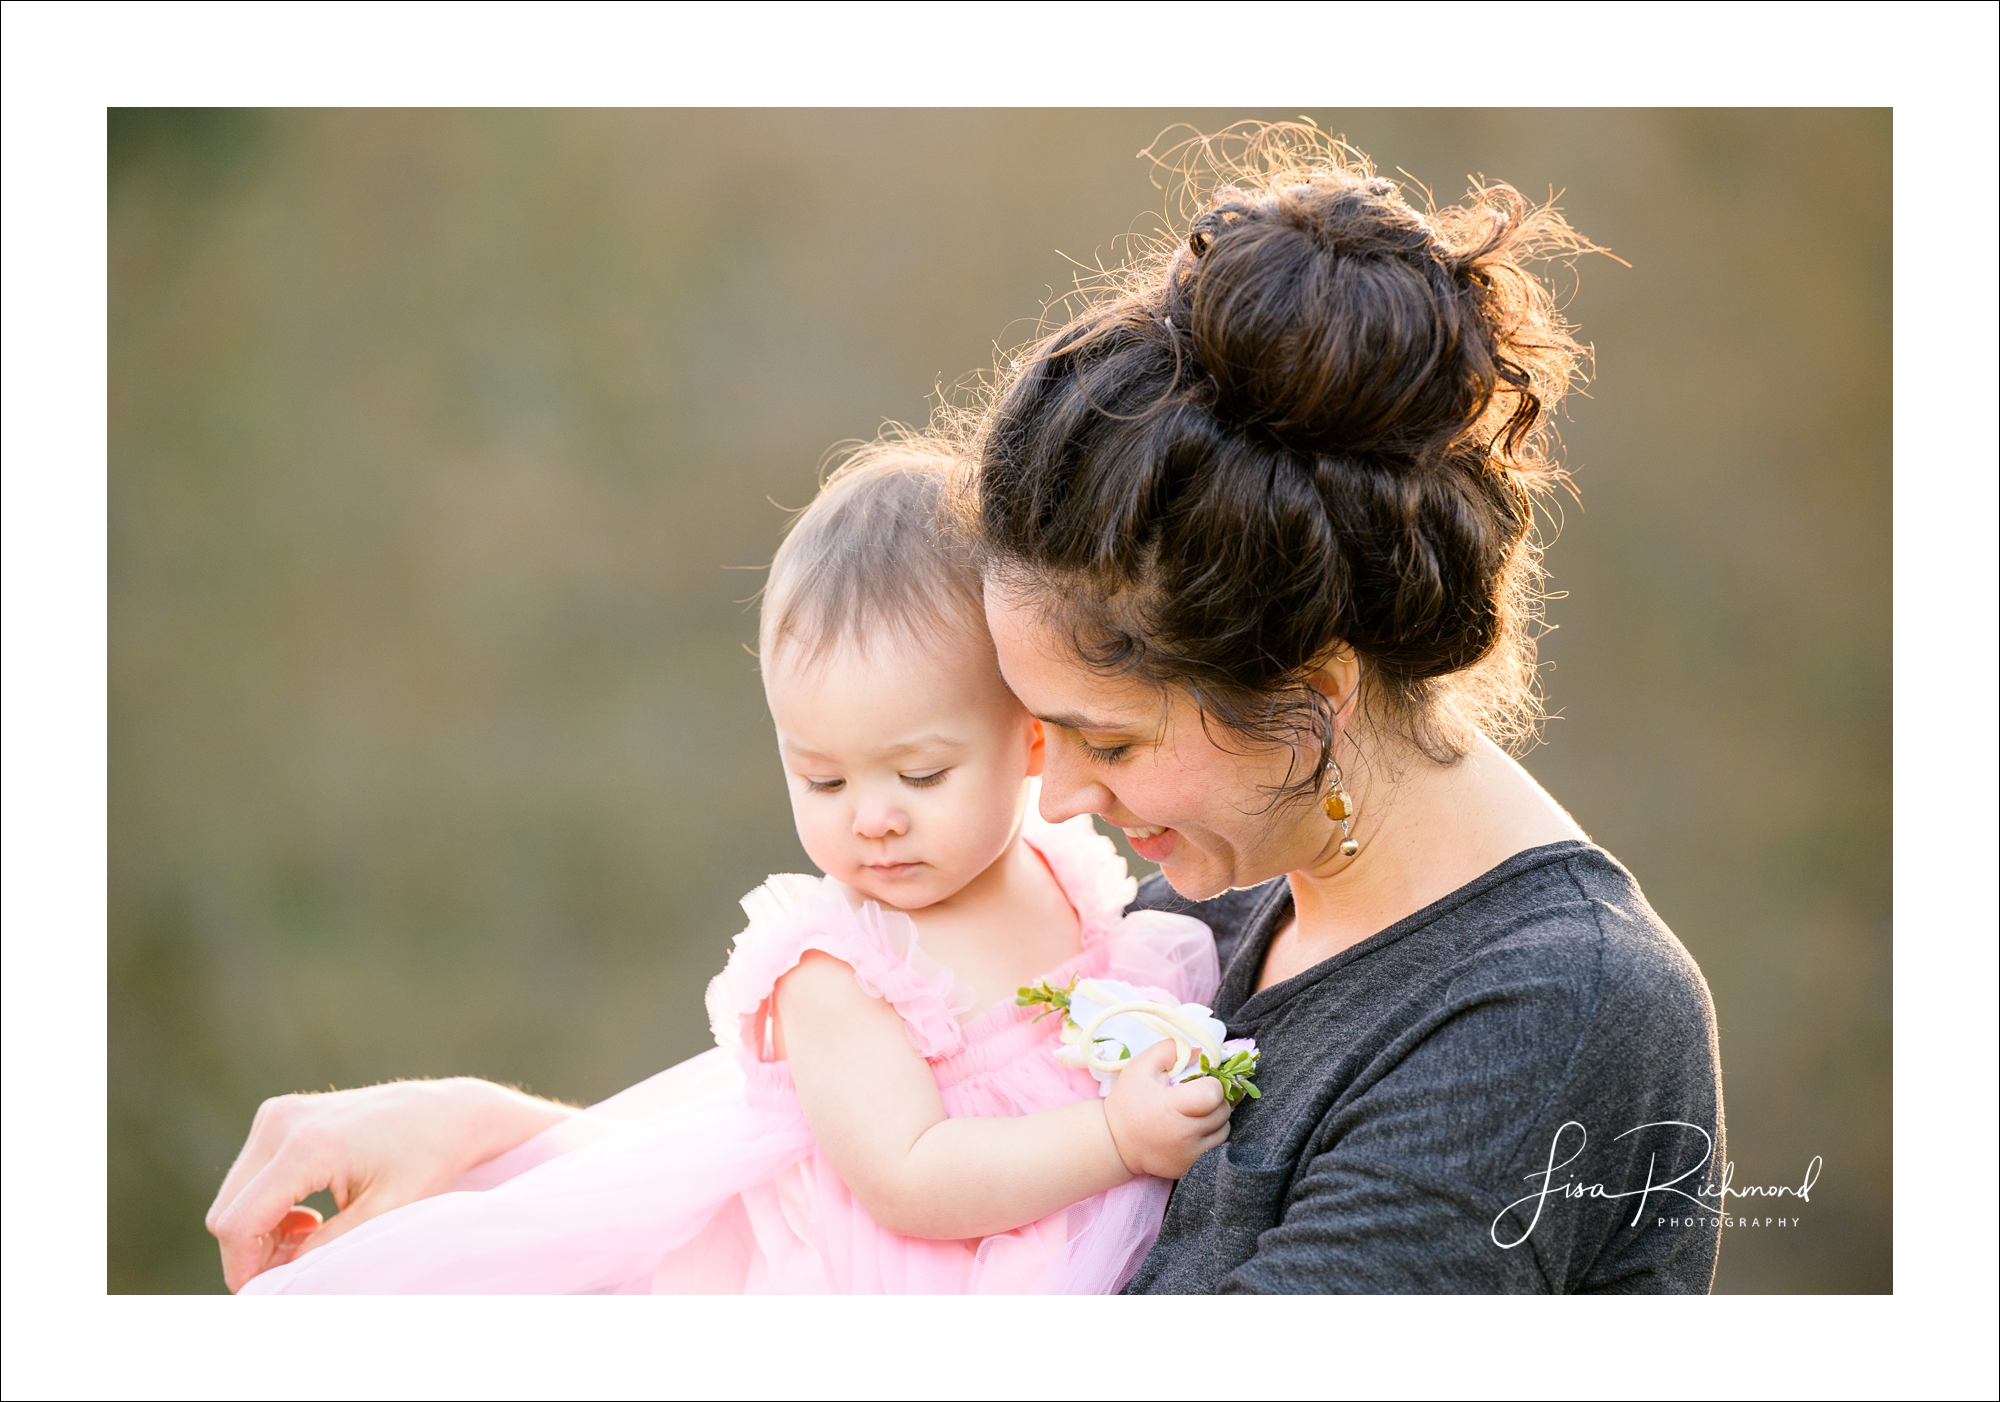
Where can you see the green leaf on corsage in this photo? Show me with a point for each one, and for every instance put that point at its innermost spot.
(1234, 1072)
(1045, 995)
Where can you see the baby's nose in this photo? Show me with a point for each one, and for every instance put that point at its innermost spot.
(880, 820)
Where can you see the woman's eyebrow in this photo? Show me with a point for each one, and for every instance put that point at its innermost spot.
(1071, 720)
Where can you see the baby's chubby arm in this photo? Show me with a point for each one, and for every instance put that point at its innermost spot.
(874, 1107)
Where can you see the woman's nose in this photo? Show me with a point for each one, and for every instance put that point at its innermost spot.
(1067, 787)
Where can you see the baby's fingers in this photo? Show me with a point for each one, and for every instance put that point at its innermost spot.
(1205, 1139)
(1199, 1098)
(1155, 1060)
(1211, 1125)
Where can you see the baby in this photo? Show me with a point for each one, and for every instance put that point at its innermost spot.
(880, 1113)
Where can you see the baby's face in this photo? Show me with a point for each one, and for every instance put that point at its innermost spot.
(908, 765)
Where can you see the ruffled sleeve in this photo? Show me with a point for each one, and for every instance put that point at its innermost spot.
(1087, 865)
(1174, 954)
(1161, 950)
(792, 914)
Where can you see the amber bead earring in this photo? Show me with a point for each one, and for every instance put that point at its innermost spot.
(1339, 805)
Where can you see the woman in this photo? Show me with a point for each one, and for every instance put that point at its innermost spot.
(1259, 554)
(1257, 529)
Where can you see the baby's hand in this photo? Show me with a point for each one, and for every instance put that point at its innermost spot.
(1160, 1128)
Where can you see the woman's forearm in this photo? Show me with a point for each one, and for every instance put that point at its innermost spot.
(972, 1177)
(488, 1119)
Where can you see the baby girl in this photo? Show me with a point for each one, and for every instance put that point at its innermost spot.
(879, 1114)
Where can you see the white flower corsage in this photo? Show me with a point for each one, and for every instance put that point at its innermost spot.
(1107, 1023)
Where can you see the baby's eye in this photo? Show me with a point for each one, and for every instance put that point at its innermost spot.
(825, 785)
(925, 780)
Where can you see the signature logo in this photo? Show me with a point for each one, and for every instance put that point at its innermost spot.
(1719, 1193)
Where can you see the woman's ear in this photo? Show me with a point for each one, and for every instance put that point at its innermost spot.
(1338, 678)
(1038, 747)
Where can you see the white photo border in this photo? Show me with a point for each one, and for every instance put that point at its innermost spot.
(65, 64)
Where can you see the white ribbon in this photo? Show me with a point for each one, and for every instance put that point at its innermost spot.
(1169, 1021)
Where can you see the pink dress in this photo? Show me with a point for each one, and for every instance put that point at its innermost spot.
(706, 1178)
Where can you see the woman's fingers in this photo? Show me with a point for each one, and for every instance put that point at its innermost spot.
(376, 1199)
(300, 1222)
(346, 1220)
(288, 1239)
(247, 1253)
(267, 1132)
(249, 1227)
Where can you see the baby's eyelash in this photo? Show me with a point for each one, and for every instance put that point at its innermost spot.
(924, 781)
(825, 785)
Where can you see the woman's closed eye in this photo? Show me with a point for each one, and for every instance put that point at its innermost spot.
(1104, 754)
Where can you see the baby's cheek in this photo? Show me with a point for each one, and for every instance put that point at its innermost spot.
(821, 839)
(978, 833)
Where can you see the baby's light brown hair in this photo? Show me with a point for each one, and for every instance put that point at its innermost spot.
(871, 560)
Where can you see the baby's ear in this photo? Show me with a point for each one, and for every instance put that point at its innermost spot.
(1037, 747)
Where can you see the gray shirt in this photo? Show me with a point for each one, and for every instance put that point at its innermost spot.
(1486, 1096)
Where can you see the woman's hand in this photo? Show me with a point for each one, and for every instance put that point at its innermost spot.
(374, 1149)
(1158, 1127)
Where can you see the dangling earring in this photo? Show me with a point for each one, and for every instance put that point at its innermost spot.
(1339, 805)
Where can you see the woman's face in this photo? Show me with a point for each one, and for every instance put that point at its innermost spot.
(1141, 760)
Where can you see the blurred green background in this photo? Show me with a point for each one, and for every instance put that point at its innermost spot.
(434, 744)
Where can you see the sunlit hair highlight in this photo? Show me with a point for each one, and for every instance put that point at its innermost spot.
(1312, 417)
(867, 563)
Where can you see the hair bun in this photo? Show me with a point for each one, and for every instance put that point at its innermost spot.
(1319, 423)
(1328, 313)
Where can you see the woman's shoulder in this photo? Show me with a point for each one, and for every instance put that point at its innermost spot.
(1551, 975)
(1551, 897)
(1571, 915)
(1566, 914)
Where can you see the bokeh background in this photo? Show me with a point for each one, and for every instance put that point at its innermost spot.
(437, 438)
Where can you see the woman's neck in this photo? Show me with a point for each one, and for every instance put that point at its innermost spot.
(1425, 829)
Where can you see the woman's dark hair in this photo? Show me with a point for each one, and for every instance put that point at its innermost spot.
(1317, 421)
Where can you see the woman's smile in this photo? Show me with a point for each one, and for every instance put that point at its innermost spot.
(1154, 843)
